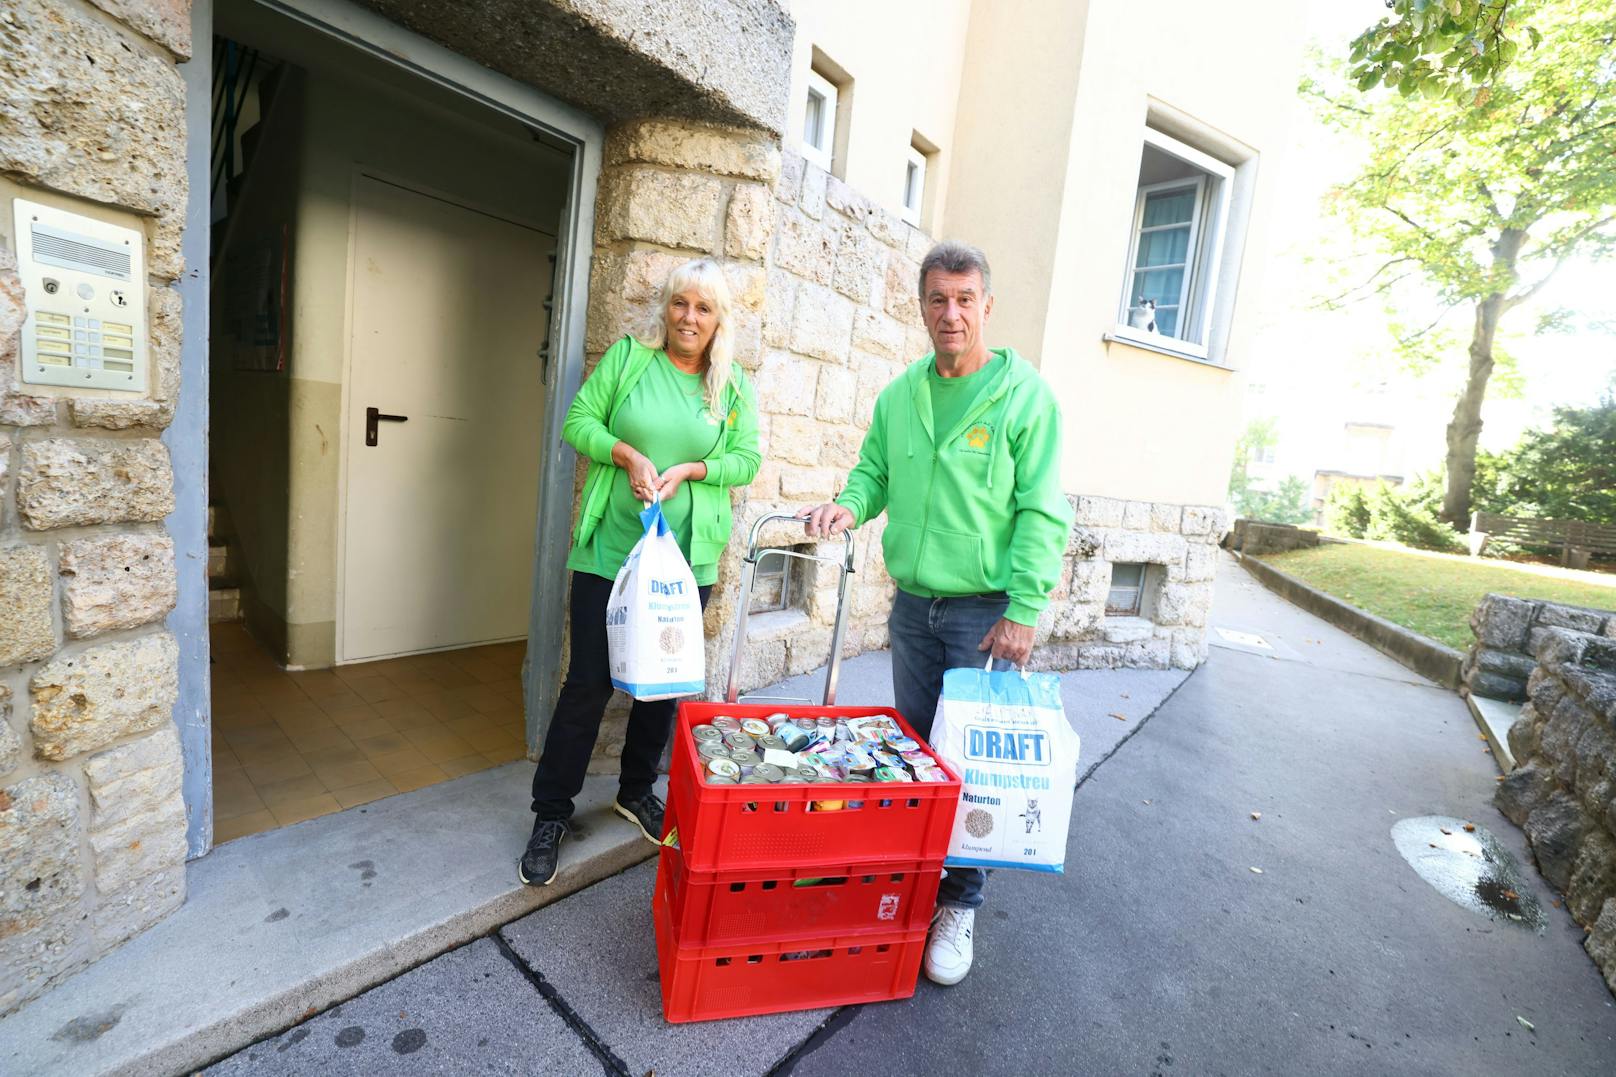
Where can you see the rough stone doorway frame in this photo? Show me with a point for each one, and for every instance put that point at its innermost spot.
(570, 129)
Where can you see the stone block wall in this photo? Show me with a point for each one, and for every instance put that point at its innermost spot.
(92, 823)
(1178, 544)
(1255, 537)
(1562, 791)
(827, 314)
(1508, 632)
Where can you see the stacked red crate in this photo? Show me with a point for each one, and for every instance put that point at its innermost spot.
(768, 903)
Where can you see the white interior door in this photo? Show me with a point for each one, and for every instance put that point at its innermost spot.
(440, 511)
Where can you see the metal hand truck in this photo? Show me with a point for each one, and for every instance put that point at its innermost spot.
(749, 569)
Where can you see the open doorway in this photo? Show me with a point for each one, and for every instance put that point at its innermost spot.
(383, 278)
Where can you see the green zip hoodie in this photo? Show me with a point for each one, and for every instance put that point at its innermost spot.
(985, 512)
(588, 428)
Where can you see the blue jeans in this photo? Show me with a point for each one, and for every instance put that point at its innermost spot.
(929, 636)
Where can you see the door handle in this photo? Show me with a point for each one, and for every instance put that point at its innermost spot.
(374, 416)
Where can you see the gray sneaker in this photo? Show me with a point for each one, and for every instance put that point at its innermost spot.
(644, 812)
(543, 856)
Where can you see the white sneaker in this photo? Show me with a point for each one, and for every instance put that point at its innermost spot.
(948, 947)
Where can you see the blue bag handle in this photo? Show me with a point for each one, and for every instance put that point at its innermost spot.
(651, 516)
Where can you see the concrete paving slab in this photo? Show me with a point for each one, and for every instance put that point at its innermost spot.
(280, 925)
(469, 1010)
(1161, 950)
(599, 953)
(1241, 605)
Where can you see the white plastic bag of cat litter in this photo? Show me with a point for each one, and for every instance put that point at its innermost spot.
(1006, 734)
(653, 618)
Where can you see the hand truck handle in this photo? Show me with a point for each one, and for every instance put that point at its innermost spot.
(845, 564)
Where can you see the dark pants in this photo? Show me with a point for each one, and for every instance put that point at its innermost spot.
(578, 711)
(930, 636)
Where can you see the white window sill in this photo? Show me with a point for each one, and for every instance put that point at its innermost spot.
(1155, 342)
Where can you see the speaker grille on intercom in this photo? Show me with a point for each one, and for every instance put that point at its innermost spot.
(59, 247)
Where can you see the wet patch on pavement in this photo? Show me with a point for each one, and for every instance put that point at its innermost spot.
(1465, 864)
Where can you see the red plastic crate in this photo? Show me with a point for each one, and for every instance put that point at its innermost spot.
(728, 827)
(706, 983)
(751, 905)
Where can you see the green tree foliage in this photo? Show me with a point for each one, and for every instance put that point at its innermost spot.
(1409, 516)
(1564, 472)
(1479, 199)
(1346, 510)
(1289, 504)
(1440, 48)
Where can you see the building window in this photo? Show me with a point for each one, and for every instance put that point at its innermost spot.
(819, 121)
(777, 581)
(914, 185)
(1179, 215)
(1127, 589)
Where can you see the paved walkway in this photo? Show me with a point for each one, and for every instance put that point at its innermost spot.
(1160, 950)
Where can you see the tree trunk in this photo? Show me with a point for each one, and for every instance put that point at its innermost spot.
(1464, 429)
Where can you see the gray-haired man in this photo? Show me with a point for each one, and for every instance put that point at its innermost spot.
(963, 455)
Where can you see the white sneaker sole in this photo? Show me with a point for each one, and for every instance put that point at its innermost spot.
(654, 839)
(946, 979)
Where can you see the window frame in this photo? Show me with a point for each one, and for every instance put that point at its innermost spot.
(1208, 233)
(1137, 609)
(827, 92)
(915, 159)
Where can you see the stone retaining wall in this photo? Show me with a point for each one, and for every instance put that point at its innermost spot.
(92, 823)
(1256, 537)
(1508, 632)
(1563, 790)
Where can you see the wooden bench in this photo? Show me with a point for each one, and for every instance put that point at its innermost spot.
(1576, 539)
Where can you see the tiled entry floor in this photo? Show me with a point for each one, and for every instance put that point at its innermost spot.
(291, 746)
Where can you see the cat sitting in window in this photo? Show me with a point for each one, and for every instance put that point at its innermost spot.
(1143, 315)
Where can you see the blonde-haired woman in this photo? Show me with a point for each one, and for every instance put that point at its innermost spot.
(667, 415)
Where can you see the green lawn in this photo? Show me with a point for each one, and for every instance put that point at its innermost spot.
(1432, 593)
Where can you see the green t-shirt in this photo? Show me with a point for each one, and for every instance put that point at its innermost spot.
(951, 398)
(665, 417)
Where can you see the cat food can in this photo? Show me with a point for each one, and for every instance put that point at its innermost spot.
(755, 726)
(753, 779)
(768, 772)
(807, 725)
(916, 759)
(769, 740)
(739, 741)
(706, 732)
(901, 744)
(794, 778)
(807, 774)
(723, 768)
(793, 738)
(712, 750)
(745, 759)
(888, 774)
(717, 779)
(725, 724)
(777, 720)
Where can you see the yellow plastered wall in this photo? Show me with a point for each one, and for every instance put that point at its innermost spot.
(904, 59)
(1056, 217)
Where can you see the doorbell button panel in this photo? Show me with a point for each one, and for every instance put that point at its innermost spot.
(85, 286)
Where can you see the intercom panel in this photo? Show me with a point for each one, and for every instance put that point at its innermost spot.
(85, 282)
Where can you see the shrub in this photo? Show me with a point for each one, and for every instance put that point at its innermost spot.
(1346, 510)
(1409, 518)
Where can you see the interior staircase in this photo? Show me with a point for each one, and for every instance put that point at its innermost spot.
(224, 588)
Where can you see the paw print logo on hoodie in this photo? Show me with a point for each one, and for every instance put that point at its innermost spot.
(978, 438)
